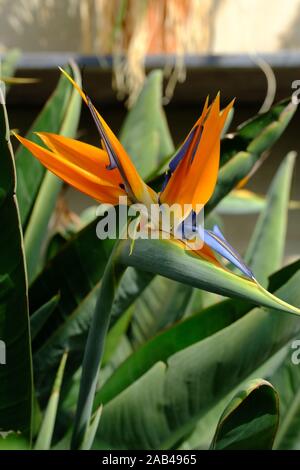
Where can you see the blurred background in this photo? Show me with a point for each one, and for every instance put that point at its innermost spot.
(245, 48)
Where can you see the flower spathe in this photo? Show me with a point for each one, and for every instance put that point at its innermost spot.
(107, 173)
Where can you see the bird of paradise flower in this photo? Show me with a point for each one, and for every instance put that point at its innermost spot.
(107, 174)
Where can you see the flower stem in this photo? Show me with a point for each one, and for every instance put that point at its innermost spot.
(95, 346)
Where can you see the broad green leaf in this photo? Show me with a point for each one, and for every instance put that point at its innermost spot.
(240, 202)
(145, 133)
(44, 438)
(258, 132)
(71, 334)
(30, 172)
(182, 389)
(164, 344)
(250, 420)
(13, 441)
(189, 331)
(93, 353)
(6, 285)
(286, 379)
(39, 318)
(115, 335)
(283, 373)
(180, 266)
(161, 304)
(50, 187)
(73, 272)
(131, 286)
(204, 431)
(16, 376)
(243, 201)
(240, 154)
(205, 428)
(168, 259)
(266, 249)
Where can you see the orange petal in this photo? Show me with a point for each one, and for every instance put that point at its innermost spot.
(194, 179)
(72, 174)
(87, 157)
(137, 190)
(205, 252)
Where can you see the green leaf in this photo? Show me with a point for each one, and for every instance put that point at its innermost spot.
(164, 344)
(161, 304)
(250, 420)
(13, 441)
(73, 272)
(189, 331)
(30, 171)
(240, 154)
(6, 285)
(266, 249)
(39, 318)
(16, 375)
(132, 285)
(44, 438)
(115, 335)
(49, 189)
(243, 201)
(71, 320)
(170, 260)
(179, 392)
(254, 130)
(179, 266)
(203, 433)
(240, 202)
(71, 335)
(95, 347)
(145, 133)
(91, 430)
(286, 379)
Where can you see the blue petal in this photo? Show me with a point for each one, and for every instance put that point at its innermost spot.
(218, 232)
(113, 161)
(189, 226)
(181, 152)
(216, 240)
